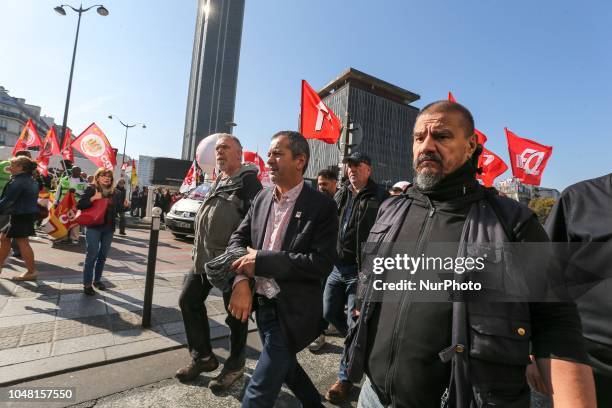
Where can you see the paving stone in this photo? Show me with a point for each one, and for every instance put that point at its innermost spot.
(16, 307)
(90, 330)
(26, 353)
(81, 308)
(136, 334)
(165, 315)
(9, 342)
(174, 328)
(69, 332)
(11, 331)
(139, 347)
(34, 338)
(82, 343)
(25, 319)
(39, 327)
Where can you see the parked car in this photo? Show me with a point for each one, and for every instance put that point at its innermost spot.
(181, 217)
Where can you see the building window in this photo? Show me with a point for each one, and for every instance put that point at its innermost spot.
(2, 139)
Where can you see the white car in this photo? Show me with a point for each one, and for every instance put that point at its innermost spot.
(181, 217)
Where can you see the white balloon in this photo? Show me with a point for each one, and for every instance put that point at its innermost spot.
(205, 154)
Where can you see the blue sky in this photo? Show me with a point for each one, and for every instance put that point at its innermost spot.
(540, 68)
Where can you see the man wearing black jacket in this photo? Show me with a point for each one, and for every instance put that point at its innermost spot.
(358, 201)
(459, 354)
(289, 233)
(583, 218)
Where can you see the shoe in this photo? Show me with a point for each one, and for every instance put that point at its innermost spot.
(122, 233)
(26, 277)
(89, 291)
(338, 392)
(99, 285)
(225, 379)
(318, 343)
(196, 367)
(16, 255)
(332, 331)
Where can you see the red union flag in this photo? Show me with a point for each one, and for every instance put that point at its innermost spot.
(317, 121)
(28, 138)
(451, 97)
(191, 179)
(49, 148)
(67, 153)
(527, 158)
(492, 166)
(252, 157)
(94, 145)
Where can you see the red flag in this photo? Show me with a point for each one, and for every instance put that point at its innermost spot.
(191, 178)
(94, 145)
(67, 153)
(252, 157)
(28, 138)
(49, 148)
(317, 121)
(527, 158)
(481, 137)
(492, 166)
(451, 97)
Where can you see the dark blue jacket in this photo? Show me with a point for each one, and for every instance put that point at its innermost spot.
(20, 195)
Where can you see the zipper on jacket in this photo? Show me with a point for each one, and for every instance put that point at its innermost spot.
(398, 322)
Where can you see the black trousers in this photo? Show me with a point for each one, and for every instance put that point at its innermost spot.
(195, 291)
(121, 216)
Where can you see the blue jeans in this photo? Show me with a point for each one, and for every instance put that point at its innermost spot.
(367, 396)
(98, 240)
(340, 290)
(277, 365)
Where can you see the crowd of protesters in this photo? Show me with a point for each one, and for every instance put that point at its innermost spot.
(293, 255)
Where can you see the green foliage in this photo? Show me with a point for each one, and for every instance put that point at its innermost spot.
(541, 207)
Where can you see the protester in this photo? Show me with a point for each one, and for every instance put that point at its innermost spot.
(289, 234)
(135, 202)
(583, 218)
(409, 350)
(76, 184)
(121, 198)
(223, 209)
(99, 237)
(327, 182)
(358, 201)
(19, 200)
(142, 201)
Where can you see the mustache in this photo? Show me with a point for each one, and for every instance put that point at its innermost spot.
(427, 156)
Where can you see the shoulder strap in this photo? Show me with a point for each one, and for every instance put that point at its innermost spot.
(491, 198)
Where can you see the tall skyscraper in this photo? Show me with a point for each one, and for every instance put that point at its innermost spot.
(214, 71)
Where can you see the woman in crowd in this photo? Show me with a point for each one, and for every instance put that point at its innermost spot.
(99, 237)
(19, 200)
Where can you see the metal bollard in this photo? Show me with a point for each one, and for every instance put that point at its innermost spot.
(151, 259)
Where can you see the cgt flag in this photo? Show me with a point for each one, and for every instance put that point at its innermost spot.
(317, 121)
(254, 158)
(67, 152)
(50, 147)
(28, 138)
(191, 178)
(94, 145)
(492, 166)
(527, 158)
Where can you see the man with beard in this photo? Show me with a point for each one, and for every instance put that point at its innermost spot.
(223, 209)
(459, 354)
(289, 235)
(327, 182)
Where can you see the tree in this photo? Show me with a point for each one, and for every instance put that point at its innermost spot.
(542, 207)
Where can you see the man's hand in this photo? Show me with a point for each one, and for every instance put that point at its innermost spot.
(245, 265)
(241, 301)
(535, 379)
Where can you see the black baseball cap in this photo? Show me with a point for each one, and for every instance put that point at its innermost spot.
(358, 157)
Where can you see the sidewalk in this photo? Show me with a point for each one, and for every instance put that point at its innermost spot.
(50, 326)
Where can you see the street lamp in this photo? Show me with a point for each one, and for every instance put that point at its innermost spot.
(232, 125)
(103, 11)
(127, 126)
